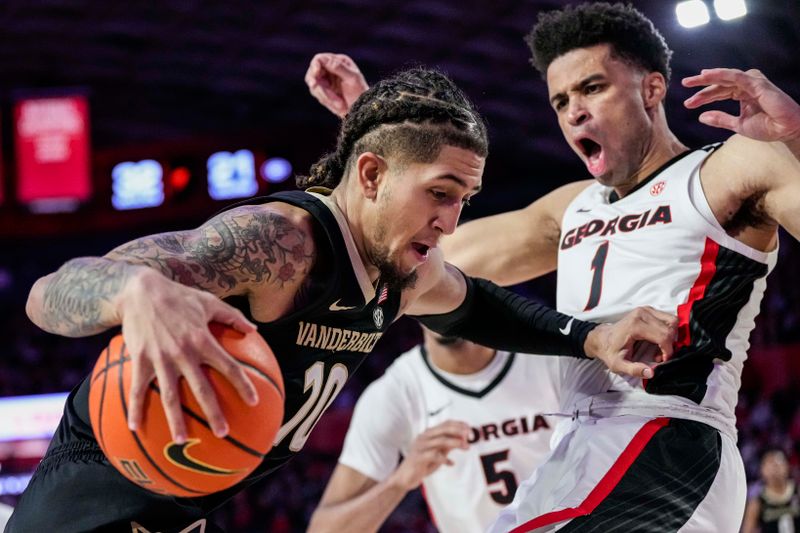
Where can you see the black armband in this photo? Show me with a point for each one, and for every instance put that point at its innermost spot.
(498, 318)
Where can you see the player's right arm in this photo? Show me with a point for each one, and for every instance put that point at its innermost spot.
(513, 247)
(165, 289)
(354, 501)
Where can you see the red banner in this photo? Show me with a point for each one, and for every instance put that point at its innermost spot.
(52, 149)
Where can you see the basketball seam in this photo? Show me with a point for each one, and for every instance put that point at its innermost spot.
(139, 443)
(262, 374)
(242, 446)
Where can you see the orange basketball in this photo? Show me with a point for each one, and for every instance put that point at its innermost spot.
(204, 463)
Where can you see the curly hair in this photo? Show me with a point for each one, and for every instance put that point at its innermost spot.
(632, 36)
(410, 115)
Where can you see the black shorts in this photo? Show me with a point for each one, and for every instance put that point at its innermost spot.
(76, 490)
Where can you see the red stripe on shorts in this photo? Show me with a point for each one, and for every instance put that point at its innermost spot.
(606, 485)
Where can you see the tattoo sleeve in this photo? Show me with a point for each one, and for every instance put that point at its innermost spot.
(77, 300)
(233, 253)
(237, 249)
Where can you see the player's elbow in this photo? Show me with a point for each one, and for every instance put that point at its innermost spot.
(35, 303)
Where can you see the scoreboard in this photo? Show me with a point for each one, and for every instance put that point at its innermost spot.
(55, 183)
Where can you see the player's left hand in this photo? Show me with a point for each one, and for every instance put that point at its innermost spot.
(615, 344)
(766, 113)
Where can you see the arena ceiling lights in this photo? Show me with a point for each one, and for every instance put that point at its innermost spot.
(693, 13)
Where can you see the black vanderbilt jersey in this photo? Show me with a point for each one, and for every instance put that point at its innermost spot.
(318, 347)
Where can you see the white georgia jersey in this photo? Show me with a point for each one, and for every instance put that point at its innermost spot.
(661, 245)
(505, 405)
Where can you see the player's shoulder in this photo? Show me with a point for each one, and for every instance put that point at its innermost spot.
(406, 367)
(555, 203)
(741, 158)
(401, 375)
(281, 216)
(568, 192)
(538, 366)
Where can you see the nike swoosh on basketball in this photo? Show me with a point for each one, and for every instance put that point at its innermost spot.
(336, 307)
(566, 329)
(178, 455)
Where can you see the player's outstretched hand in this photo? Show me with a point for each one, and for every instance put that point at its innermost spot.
(336, 81)
(429, 451)
(165, 326)
(766, 113)
(615, 344)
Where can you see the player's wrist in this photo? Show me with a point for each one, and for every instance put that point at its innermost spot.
(401, 481)
(596, 340)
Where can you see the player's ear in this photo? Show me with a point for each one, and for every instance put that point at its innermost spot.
(654, 89)
(370, 171)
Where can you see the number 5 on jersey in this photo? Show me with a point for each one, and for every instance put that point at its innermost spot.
(503, 494)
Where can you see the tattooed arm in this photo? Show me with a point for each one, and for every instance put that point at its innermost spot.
(165, 289)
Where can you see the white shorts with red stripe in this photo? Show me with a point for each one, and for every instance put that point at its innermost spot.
(633, 474)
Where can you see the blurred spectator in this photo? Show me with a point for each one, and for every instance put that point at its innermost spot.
(774, 504)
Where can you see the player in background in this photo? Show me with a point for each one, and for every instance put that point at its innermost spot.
(421, 409)
(775, 507)
(692, 230)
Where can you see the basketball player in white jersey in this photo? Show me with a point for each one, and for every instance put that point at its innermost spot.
(445, 395)
(692, 231)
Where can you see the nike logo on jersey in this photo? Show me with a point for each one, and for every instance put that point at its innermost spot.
(661, 215)
(336, 307)
(437, 411)
(178, 454)
(566, 329)
(584, 210)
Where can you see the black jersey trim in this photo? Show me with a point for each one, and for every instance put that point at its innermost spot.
(614, 197)
(474, 394)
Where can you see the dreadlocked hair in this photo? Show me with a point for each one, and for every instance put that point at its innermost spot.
(632, 36)
(411, 116)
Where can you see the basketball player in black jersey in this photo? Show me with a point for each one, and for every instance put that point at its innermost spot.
(321, 275)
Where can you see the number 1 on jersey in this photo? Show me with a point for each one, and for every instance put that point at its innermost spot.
(598, 265)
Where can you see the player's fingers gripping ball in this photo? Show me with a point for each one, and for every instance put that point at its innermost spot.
(204, 463)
